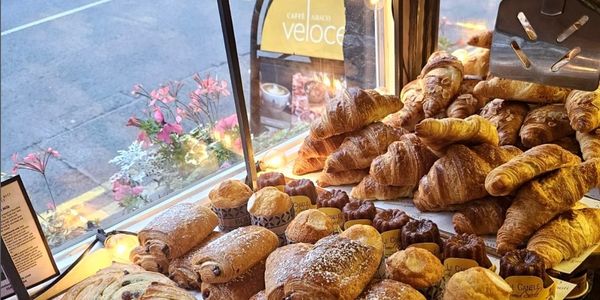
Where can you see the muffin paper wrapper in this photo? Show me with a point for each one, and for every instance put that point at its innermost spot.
(431, 247)
(390, 242)
(357, 222)
(232, 218)
(531, 287)
(277, 224)
(302, 203)
(335, 214)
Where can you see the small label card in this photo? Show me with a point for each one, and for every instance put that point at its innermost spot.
(23, 239)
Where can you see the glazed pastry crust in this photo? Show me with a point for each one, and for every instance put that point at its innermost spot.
(583, 109)
(589, 144)
(507, 116)
(313, 153)
(440, 81)
(439, 134)
(520, 91)
(566, 236)
(480, 217)
(544, 125)
(414, 266)
(412, 111)
(341, 178)
(370, 189)
(536, 161)
(230, 194)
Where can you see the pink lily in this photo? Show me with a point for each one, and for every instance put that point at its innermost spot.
(158, 115)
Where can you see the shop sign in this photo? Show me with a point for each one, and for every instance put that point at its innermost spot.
(26, 257)
(313, 28)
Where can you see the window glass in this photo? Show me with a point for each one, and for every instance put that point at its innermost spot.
(461, 19)
(111, 106)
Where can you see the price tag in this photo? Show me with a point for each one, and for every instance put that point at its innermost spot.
(27, 259)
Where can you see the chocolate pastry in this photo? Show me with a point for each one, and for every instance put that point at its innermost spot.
(270, 179)
(419, 231)
(302, 187)
(467, 246)
(333, 198)
(522, 263)
(390, 219)
(358, 209)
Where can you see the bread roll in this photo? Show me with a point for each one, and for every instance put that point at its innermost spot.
(268, 202)
(309, 226)
(230, 194)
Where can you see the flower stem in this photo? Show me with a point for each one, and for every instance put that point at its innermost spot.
(50, 191)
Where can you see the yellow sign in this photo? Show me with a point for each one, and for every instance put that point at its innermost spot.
(313, 28)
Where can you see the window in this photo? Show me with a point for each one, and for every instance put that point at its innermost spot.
(462, 19)
(109, 107)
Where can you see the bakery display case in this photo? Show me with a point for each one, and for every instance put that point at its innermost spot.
(374, 155)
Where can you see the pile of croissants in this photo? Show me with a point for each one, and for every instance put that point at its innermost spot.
(510, 157)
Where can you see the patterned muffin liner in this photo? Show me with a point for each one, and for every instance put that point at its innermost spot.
(232, 218)
(277, 224)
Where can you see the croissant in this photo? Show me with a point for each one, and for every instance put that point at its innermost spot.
(538, 160)
(589, 143)
(405, 162)
(475, 62)
(583, 109)
(370, 189)
(520, 91)
(440, 80)
(438, 134)
(313, 153)
(566, 236)
(412, 111)
(484, 216)
(544, 125)
(350, 113)
(463, 106)
(341, 178)
(281, 264)
(358, 150)
(569, 143)
(507, 116)
(540, 200)
(459, 176)
(482, 40)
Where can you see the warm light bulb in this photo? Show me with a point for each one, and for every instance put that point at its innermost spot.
(273, 161)
(374, 4)
(120, 245)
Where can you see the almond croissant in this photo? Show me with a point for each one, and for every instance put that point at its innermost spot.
(370, 189)
(484, 216)
(405, 162)
(312, 153)
(359, 149)
(439, 133)
(540, 200)
(544, 125)
(349, 113)
(589, 143)
(583, 109)
(520, 91)
(567, 236)
(412, 111)
(463, 106)
(482, 40)
(507, 116)
(341, 178)
(440, 81)
(459, 176)
(538, 160)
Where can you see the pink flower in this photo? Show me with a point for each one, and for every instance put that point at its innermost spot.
(53, 152)
(223, 88)
(35, 161)
(133, 121)
(210, 86)
(120, 191)
(137, 90)
(165, 133)
(145, 139)
(50, 206)
(180, 114)
(158, 115)
(226, 124)
(137, 190)
(161, 94)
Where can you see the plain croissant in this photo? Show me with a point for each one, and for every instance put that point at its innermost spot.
(538, 160)
(341, 178)
(349, 113)
(540, 200)
(507, 116)
(484, 216)
(370, 189)
(440, 81)
(520, 91)
(583, 109)
(404, 163)
(459, 176)
(482, 40)
(589, 143)
(313, 153)
(439, 133)
(475, 62)
(566, 236)
(412, 111)
(359, 149)
(544, 125)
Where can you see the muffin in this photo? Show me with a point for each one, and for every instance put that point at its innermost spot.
(309, 226)
(334, 198)
(365, 234)
(359, 209)
(272, 209)
(305, 188)
(390, 290)
(390, 219)
(522, 263)
(419, 231)
(477, 284)
(275, 179)
(467, 246)
(229, 201)
(414, 266)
